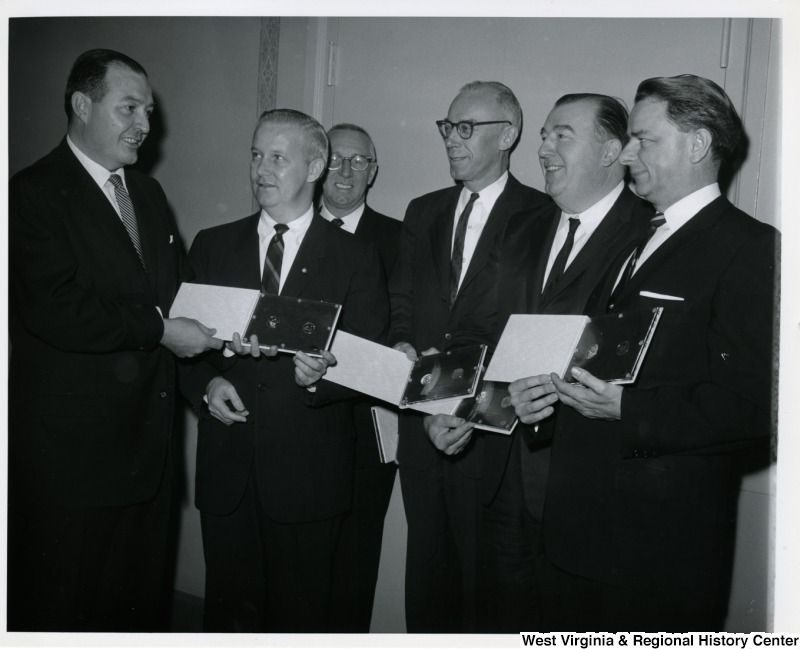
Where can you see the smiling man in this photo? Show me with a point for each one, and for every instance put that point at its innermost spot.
(352, 167)
(639, 518)
(448, 236)
(95, 260)
(275, 445)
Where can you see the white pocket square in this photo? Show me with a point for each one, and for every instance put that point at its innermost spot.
(171, 238)
(660, 296)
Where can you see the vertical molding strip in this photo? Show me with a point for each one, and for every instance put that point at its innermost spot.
(268, 64)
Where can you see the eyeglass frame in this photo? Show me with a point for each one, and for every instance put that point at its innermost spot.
(368, 158)
(440, 123)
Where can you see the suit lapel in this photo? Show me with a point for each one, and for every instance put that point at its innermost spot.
(442, 239)
(703, 220)
(309, 258)
(511, 200)
(537, 260)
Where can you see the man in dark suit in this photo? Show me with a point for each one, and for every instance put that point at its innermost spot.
(352, 166)
(95, 259)
(549, 262)
(639, 519)
(275, 446)
(448, 236)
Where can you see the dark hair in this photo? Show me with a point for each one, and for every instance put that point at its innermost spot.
(88, 74)
(506, 99)
(315, 141)
(694, 102)
(355, 128)
(610, 118)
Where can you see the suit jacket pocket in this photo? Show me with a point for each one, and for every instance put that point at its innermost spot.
(72, 405)
(656, 478)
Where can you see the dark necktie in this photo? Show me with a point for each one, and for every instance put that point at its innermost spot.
(337, 222)
(560, 262)
(457, 258)
(655, 222)
(271, 277)
(128, 215)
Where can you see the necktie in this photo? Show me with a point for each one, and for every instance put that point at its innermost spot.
(457, 257)
(128, 215)
(337, 222)
(271, 277)
(655, 222)
(560, 262)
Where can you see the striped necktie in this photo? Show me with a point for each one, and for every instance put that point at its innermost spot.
(271, 277)
(457, 258)
(655, 222)
(128, 215)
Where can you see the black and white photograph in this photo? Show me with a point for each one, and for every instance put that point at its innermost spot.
(428, 171)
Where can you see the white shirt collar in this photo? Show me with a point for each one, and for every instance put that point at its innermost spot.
(591, 217)
(488, 195)
(297, 228)
(98, 173)
(679, 213)
(351, 220)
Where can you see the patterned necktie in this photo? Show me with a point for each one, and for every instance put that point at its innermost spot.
(271, 277)
(337, 222)
(655, 222)
(560, 262)
(128, 215)
(457, 258)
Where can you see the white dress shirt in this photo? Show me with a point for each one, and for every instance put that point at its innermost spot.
(477, 219)
(292, 239)
(100, 175)
(590, 220)
(349, 221)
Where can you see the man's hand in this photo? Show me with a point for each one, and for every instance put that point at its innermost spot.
(251, 348)
(593, 398)
(185, 337)
(219, 393)
(308, 370)
(408, 350)
(448, 433)
(533, 398)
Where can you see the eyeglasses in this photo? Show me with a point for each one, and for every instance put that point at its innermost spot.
(464, 129)
(357, 162)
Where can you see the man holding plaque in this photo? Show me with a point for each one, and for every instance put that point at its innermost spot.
(352, 167)
(447, 238)
(639, 519)
(94, 264)
(275, 445)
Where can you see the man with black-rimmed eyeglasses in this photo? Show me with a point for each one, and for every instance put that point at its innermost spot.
(447, 239)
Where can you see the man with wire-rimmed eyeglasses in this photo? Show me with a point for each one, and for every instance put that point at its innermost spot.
(352, 167)
(447, 239)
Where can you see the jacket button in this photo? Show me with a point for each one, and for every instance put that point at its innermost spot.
(163, 395)
(262, 387)
(447, 336)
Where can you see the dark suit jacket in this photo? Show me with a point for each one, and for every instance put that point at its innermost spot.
(649, 502)
(521, 264)
(91, 390)
(420, 289)
(384, 232)
(300, 443)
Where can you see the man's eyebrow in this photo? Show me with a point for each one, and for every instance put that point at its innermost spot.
(558, 127)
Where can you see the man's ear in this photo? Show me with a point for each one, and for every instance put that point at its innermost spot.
(611, 150)
(373, 170)
(315, 170)
(700, 145)
(508, 137)
(81, 106)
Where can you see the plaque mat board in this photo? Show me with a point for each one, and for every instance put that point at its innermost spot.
(226, 309)
(386, 434)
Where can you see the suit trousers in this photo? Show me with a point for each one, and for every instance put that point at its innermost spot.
(511, 556)
(265, 576)
(90, 568)
(442, 507)
(358, 552)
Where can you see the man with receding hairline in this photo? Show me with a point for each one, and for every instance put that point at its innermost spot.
(639, 517)
(448, 236)
(352, 167)
(275, 445)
